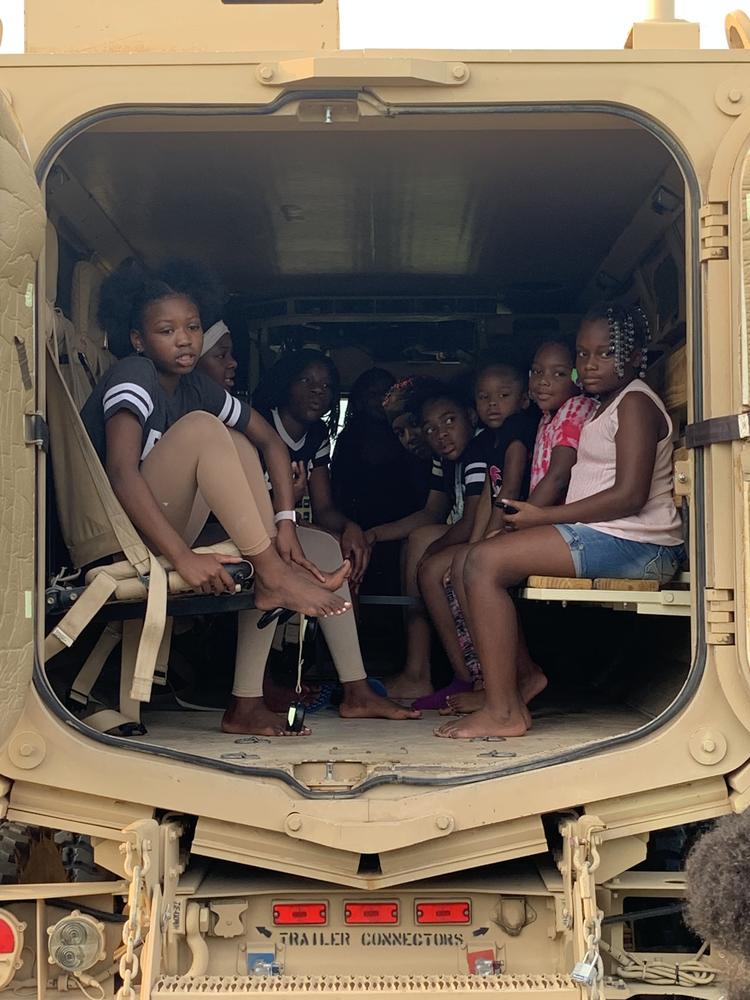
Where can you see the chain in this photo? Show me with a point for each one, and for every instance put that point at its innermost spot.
(137, 864)
(586, 860)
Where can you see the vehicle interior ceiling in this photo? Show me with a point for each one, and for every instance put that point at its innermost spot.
(415, 245)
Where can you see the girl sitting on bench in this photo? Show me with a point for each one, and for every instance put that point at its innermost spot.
(619, 518)
(176, 446)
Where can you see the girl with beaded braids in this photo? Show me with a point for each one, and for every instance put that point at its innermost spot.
(175, 446)
(618, 519)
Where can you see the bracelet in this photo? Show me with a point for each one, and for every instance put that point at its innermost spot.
(285, 515)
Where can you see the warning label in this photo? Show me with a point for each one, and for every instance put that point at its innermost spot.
(372, 939)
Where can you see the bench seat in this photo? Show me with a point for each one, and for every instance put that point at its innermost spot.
(645, 597)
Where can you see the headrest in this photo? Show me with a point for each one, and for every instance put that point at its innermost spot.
(50, 263)
(84, 301)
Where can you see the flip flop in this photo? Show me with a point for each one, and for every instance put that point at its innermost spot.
(437, 700)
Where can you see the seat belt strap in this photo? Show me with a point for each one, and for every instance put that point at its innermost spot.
(91, 601)
(89, 673)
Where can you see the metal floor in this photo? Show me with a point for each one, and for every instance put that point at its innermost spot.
(371, 746)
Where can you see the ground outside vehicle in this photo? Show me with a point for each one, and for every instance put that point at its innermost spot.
(403, 208)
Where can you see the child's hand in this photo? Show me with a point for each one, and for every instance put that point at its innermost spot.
(356, 549)
(528, 516)
(290, 550)
(205, 572)
(371, 536)
(299, 481)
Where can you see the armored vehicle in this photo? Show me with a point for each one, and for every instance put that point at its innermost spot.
(404, 208)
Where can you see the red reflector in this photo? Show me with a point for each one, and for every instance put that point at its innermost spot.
(444, 913)
(7, 938)
(300, 913)
(371, 913)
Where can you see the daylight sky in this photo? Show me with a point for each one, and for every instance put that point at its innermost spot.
(502, 24)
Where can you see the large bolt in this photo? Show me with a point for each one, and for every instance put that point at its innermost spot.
(735, 95)
(294, 822)
(265, 73)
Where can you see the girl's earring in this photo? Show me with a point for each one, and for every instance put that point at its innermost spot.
(575, 378)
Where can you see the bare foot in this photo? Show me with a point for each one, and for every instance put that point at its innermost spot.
(287, 589)
(361, 702)
(333, 581)
(463, 703)
(407, 687)
(251, 716)
(485, 723)
(531, 683)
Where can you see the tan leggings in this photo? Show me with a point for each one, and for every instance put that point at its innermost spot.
(198, 466)
(254, 644)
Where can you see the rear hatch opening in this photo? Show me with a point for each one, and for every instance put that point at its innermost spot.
(413, 244)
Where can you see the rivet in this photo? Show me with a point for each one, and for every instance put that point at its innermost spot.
(735, 95)
(265, 73)
(26, 749)
(443, 822)
(294, 822)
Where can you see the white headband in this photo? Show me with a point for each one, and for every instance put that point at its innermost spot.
(213, 335)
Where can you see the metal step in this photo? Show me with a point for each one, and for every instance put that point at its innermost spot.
(386, 987)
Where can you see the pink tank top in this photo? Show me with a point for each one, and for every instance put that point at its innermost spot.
(658, 521)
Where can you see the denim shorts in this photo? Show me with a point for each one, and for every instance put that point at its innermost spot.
(596, 554)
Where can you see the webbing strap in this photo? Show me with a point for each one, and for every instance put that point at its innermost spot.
(89, 673)
(65, 633)
(162, 659)
(129, 707)
(153, 632)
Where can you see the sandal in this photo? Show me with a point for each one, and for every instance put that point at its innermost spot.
(438, 699)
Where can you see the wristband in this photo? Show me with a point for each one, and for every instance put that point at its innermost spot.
(285, 515)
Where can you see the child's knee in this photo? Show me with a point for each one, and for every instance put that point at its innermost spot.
(203, 425)
(479, 564)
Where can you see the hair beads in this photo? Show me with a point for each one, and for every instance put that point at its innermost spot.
(628, 331)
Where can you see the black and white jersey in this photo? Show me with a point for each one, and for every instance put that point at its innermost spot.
(466, 476)
(133, 384)
(313, 448)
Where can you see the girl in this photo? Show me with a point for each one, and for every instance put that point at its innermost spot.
(564, 412)
(297, 394)
(618, 520)
(177, 446)
(503, 448)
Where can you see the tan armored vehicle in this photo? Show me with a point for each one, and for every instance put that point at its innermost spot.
(406, 209)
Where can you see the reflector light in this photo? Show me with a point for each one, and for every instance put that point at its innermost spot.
(299, 913)
(371, 913)
(7, 938)
(444, 913)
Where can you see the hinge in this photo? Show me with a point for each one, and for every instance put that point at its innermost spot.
(720, 622)
(36, 431)
(714, 231)
(717, 430)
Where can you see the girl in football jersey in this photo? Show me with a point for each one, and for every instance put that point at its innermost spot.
(176, 446)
